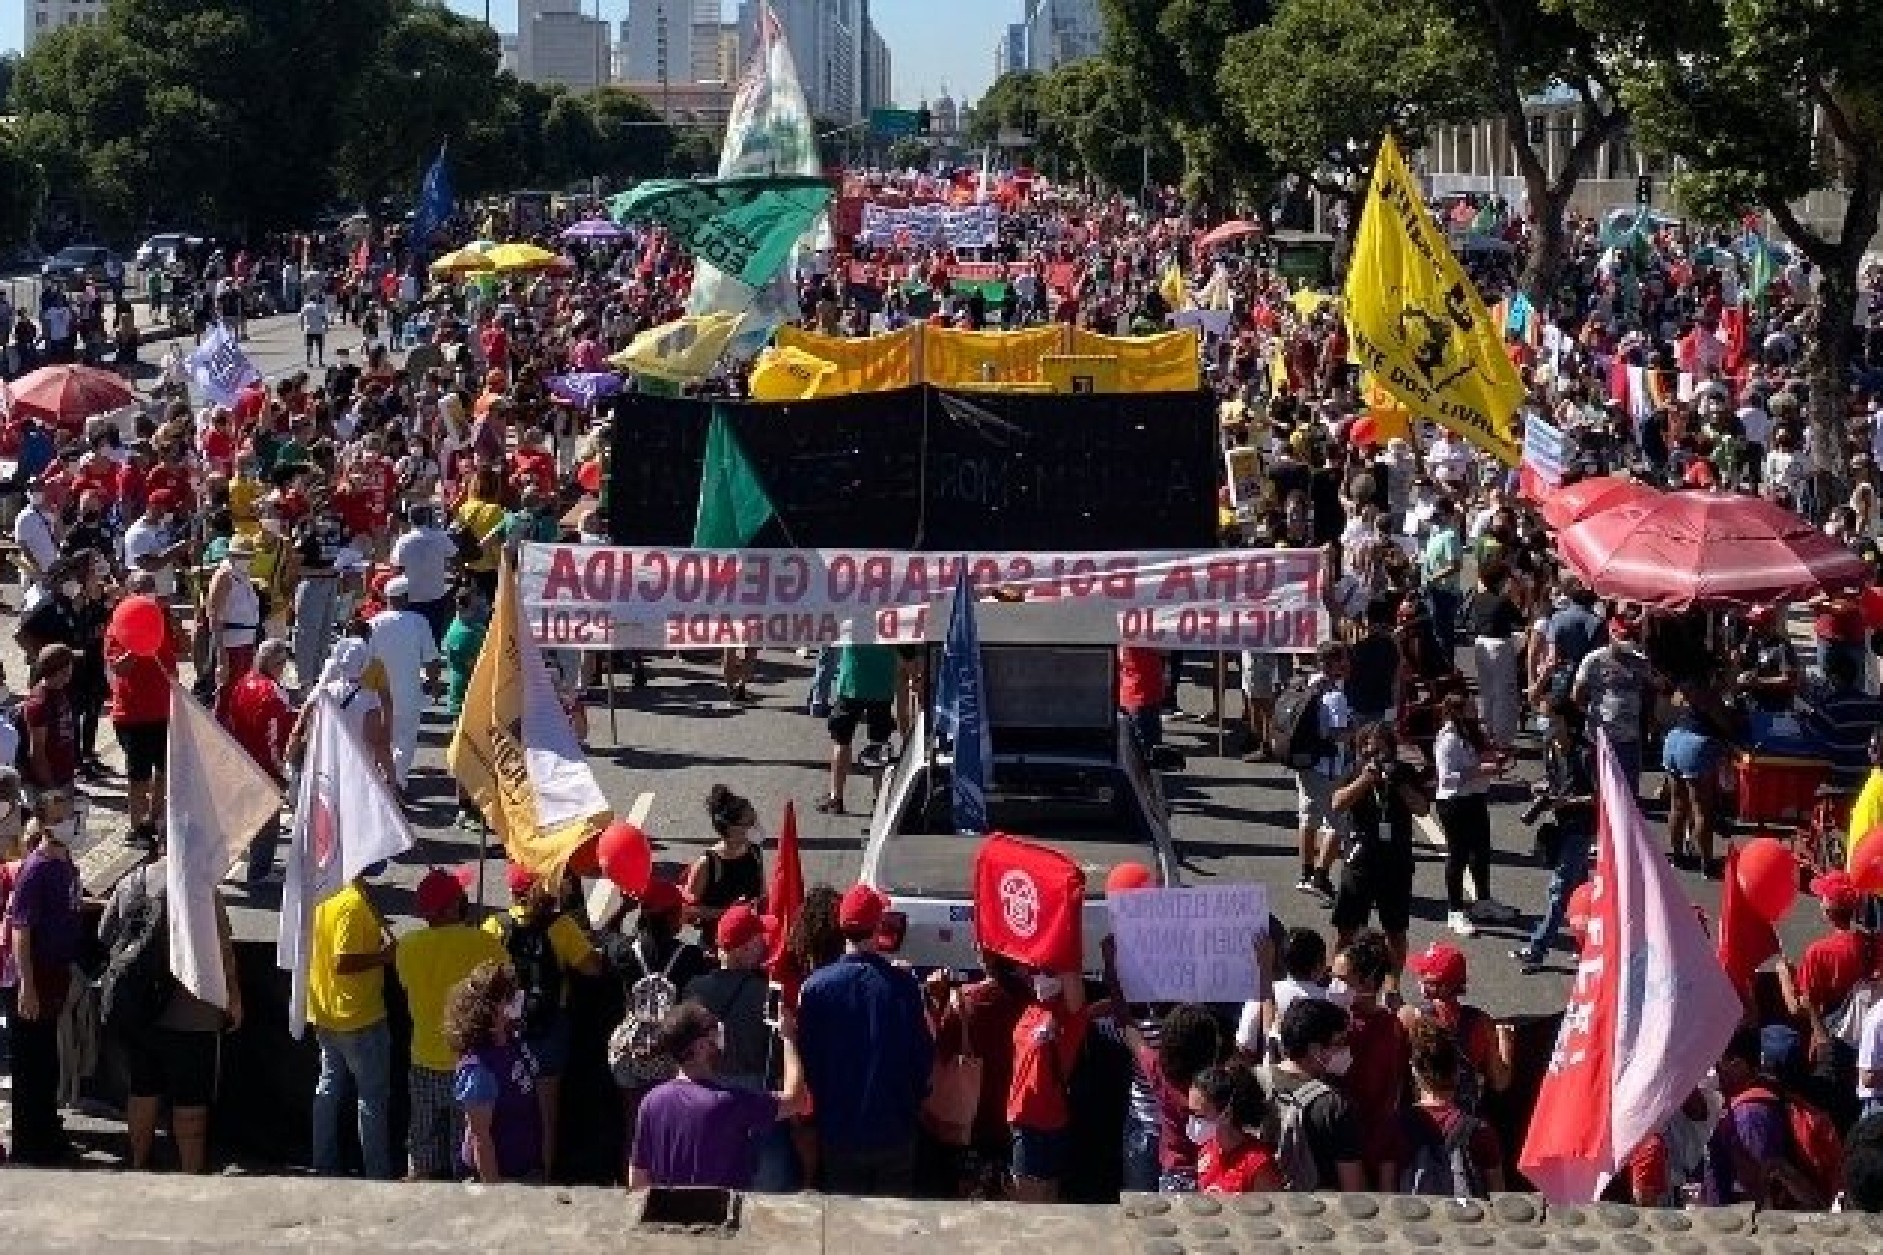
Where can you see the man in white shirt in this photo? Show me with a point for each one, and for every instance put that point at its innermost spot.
(423, 555)
(314, 329)
(36, 533)
(149, 544)
(402, 640)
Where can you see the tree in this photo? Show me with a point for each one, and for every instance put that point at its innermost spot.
(22, 188)
(1325, 79)
(1766, 102)
(571, 140)
(1088, 122)
(1012, 102)
(909, 153)
(1171, 55)
(631, 140)
(695, 151)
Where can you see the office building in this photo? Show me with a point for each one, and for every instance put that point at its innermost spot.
(1010, 52)
(829, 40)
(879, 84)
(559, 44)
(673, 41)
(42, 17)
(1062, 31)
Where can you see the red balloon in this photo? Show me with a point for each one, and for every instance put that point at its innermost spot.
(1866, 861)
(1365, 430)
(140, 625)
(1128, 876)
(589, 476)
(1768, 877)
(626, 857)
(1870, 607)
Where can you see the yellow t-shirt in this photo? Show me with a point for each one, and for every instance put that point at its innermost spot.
(565, 938)
(243, 495)
(430, 962)
(1865, 813)
(483, 517)
(346, 923)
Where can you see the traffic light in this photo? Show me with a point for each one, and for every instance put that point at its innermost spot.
(924, 121)
(1644, 190)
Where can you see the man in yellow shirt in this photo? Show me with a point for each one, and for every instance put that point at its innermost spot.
(430, 962)
(346, 1004)
(546, 946)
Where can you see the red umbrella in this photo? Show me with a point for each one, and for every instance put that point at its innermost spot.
(1575, 502)
(1234, 229)
(1707, 548)
(68, 395)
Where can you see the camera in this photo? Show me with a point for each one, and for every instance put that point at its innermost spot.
(1539, 806)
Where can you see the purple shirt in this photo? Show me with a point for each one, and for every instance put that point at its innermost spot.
(693, 1133)
(1758, 1127)
(502, 1076)
(45, 900)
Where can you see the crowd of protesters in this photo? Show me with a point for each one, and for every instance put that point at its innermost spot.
(339, 529)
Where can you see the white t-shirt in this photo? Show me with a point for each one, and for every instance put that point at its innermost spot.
(314, 318)
(1870, 1049)
(144, 539)
(425, 555)
(32, 532)
(1287, 989)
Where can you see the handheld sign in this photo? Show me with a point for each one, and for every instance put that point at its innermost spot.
(1189, 945)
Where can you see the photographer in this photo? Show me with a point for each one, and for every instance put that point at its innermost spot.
(1564, 843)
(1380, 799)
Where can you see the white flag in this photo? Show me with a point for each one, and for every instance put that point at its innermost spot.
(219, 798)
(218, 366)
(345, 820)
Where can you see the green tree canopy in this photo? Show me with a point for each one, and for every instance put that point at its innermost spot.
(1012, 102)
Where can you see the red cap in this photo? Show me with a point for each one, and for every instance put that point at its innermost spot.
(741, 925)
(1128, 876)
(163, 499)
(660, 897)
(1837, 891)
(861, 910)
(520, 879)
(1441, 964)
(439, 893)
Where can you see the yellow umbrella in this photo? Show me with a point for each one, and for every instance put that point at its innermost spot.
(507, 257)
(464, 261)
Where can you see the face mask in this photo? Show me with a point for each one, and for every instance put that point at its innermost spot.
(69, 589)
(1338, 993)
(35, 498)
(513, 1009)
(240, 564)
(1199, 1130)
(1339, 1061)
(271, 526)
(1046, 988)
(719, 1036)
(756, 833)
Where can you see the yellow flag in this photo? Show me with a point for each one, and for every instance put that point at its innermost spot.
(1175, 294)
(1308, 302)
(680, 351)
(1418, 323)
(515, 753)
(788, 374)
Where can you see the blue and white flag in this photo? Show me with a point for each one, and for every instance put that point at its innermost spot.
(961, 710)
(435, 201)
(218, 366)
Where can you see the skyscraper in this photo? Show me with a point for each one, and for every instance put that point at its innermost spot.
(558, 43)
(1062, 31)
(829, 40)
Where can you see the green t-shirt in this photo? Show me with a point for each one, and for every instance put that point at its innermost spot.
(462, 644)
(866, 673)
(1441, 551)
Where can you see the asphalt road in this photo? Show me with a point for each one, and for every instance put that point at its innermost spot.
(665, 745)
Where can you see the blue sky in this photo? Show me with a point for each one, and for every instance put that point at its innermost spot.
(931, 42)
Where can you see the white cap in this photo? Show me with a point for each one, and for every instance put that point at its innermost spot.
(398, 586)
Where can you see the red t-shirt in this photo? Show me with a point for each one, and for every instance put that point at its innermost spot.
(1046, 1045)
(356, 510)
(177, 480)
(133, 486)
(494, 343)
(1838, 621)
(51, 710)
(1382, 1055)
(249, 404)
(1832, 965)
(1141, 677)
(141, 693)
(534, 467)
(219, 448)
(1432, 1125)
(99, 477)
(1220, 1171)
(260, 719)
(991, 1015)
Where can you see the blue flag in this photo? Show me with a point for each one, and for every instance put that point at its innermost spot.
(961, 710)
(218, 366)
(435, 201)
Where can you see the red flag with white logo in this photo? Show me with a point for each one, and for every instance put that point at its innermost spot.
(1028, 901)
(1649, 1013)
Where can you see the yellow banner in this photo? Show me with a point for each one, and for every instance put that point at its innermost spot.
(515, 753)
(680, 351)
(1161, 363)
(1417, 322)
(874, 364)
(788, 374)
(951, 357)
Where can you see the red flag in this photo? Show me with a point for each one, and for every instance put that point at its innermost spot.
(1746, 940)
(1028, 903)
(1733, 324)
(784, 899)
(1649, 1012)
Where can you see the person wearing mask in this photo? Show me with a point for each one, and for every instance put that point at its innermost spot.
(1305, 974)
(156, 543)
(1381, 1051)
(1485, 1047)
(431, 962)
(1569, 788)
(43, 933)
(862, 1007)
(736, 994)
(697, 1130)
(36, 534)
(1441, 558)
(1464, 814)
(174, 1057)
(1381, 798)
(1435, 1126)
(140, 716)
(50, 725)
(1046, 1045)
(1227, 1112)
(494, 1084)
(423, 554)
(1332, 726)
(1494, 622)
(346, 1004)
(1769, 673)
(233, 607)
(1816, 989)
(1615, 684)
(1314, 1129)
(977, 1021)
(402, 641)
(1571, 632)
(548, 949)
(731, 870)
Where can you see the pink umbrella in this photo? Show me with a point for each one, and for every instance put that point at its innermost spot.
(1234, 229)
(1575, 502)
(1706, 549)
(68, 395)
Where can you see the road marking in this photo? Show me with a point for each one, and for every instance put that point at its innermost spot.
(603, 897)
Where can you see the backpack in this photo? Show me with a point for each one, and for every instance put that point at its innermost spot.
(633, 1051)
(1846, 1021)
(1294, 737)
(137, 985)
(1294, 1157)
(539, 972)
(1442, 1167)
(1812, 1144)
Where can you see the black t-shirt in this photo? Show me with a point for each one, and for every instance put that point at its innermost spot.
(624, 951)
(1379, 826)
(728, 881)
(1494, 615)
(1372, 673)
(738, 999)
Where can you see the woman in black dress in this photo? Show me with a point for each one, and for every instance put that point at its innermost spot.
(731, 870)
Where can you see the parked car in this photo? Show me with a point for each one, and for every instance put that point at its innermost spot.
(159, 249)
(1068, 772)
(79, 263)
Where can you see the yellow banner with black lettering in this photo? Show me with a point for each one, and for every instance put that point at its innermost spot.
(1417, 322)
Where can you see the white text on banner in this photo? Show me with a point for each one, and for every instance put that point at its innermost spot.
(622, 597)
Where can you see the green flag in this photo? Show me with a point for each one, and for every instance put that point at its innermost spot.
(745, 226)
(1759, 268)
(733, 502)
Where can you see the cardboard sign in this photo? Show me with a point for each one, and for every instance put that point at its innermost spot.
(656, 598)
(1544, 449)
(1189, 945)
